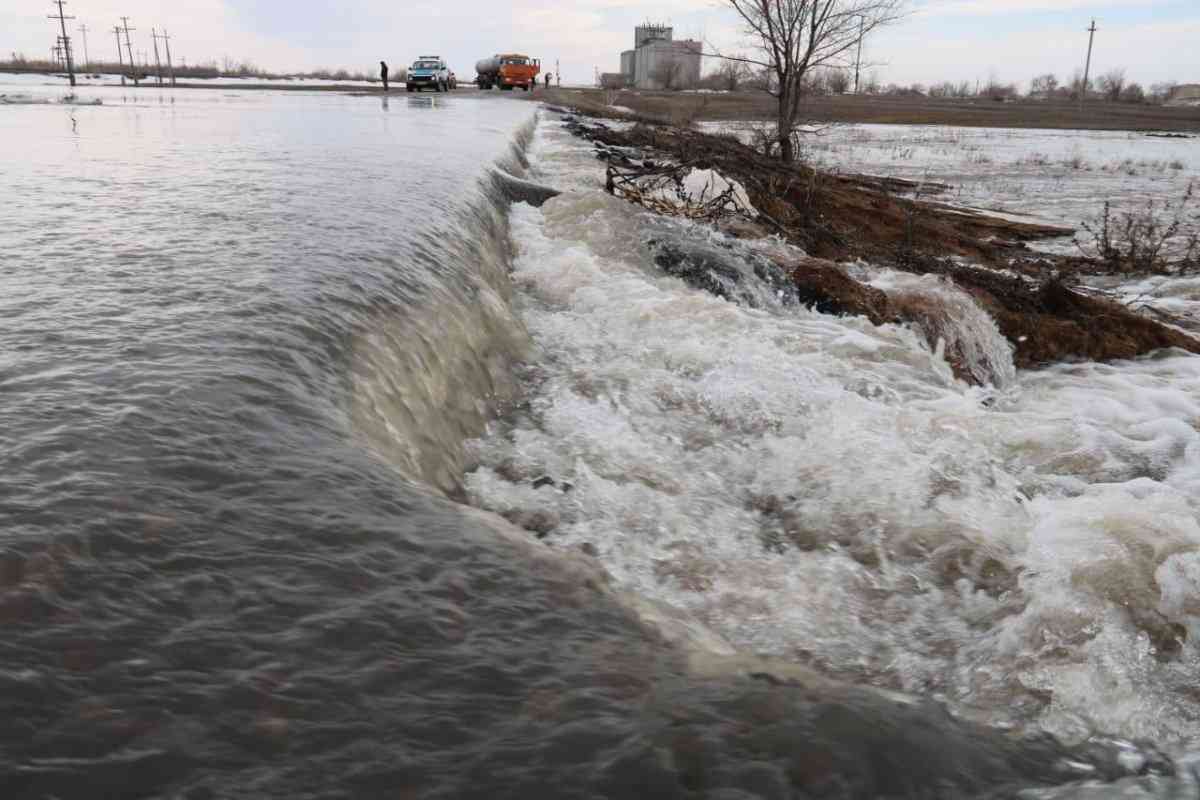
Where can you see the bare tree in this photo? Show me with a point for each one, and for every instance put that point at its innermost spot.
(1112, 83)
(730, 75)
(792, 37)
(816, 83)
(1133, 93)
(1044, 85)
(995, 90)
(839, 81)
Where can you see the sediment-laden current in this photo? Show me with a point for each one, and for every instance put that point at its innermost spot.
(254, 348)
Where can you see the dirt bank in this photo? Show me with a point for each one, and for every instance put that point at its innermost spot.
(846, 218)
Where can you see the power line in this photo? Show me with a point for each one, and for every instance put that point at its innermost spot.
(66, 40)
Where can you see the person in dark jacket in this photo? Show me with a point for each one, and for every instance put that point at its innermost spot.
(383, 73)
(548, 77)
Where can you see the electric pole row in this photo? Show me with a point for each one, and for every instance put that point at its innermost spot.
(167, 42)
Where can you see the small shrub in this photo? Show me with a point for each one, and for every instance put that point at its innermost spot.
(1137, 241)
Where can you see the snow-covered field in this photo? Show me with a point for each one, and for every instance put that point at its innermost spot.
(1063, 177)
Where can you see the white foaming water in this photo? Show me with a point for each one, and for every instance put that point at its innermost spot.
(952, 322)
(824, 490)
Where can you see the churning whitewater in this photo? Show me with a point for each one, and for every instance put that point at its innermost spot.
(825, 491)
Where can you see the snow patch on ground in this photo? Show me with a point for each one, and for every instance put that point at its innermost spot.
(703, 185)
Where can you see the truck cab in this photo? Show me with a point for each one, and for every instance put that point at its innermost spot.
(508, 71)
(428, 72)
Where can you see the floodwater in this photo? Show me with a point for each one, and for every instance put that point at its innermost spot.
(825, 491)
(256, 348)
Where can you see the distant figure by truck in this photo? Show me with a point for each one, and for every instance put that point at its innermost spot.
(507, 71)
(428, 72)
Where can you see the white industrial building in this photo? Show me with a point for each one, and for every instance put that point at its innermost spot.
(657, 61)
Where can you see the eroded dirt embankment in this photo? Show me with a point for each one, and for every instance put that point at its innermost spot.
(838, 218)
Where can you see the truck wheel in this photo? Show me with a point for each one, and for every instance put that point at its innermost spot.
(409, 88)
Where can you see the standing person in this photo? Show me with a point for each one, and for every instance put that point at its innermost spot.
(383, 73)
(549, 75)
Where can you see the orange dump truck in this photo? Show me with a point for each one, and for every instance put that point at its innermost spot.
(507, 71)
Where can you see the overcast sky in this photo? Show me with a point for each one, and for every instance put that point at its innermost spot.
(1012, 40)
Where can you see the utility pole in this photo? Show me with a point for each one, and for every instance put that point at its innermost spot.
(129, 49)
(83, 29)
(66, 40)
(858, 60)
(157, 60)
(1087, 69)
(120, 58)
(170, 67)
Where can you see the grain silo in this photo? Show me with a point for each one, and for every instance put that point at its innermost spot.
(658, 61)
